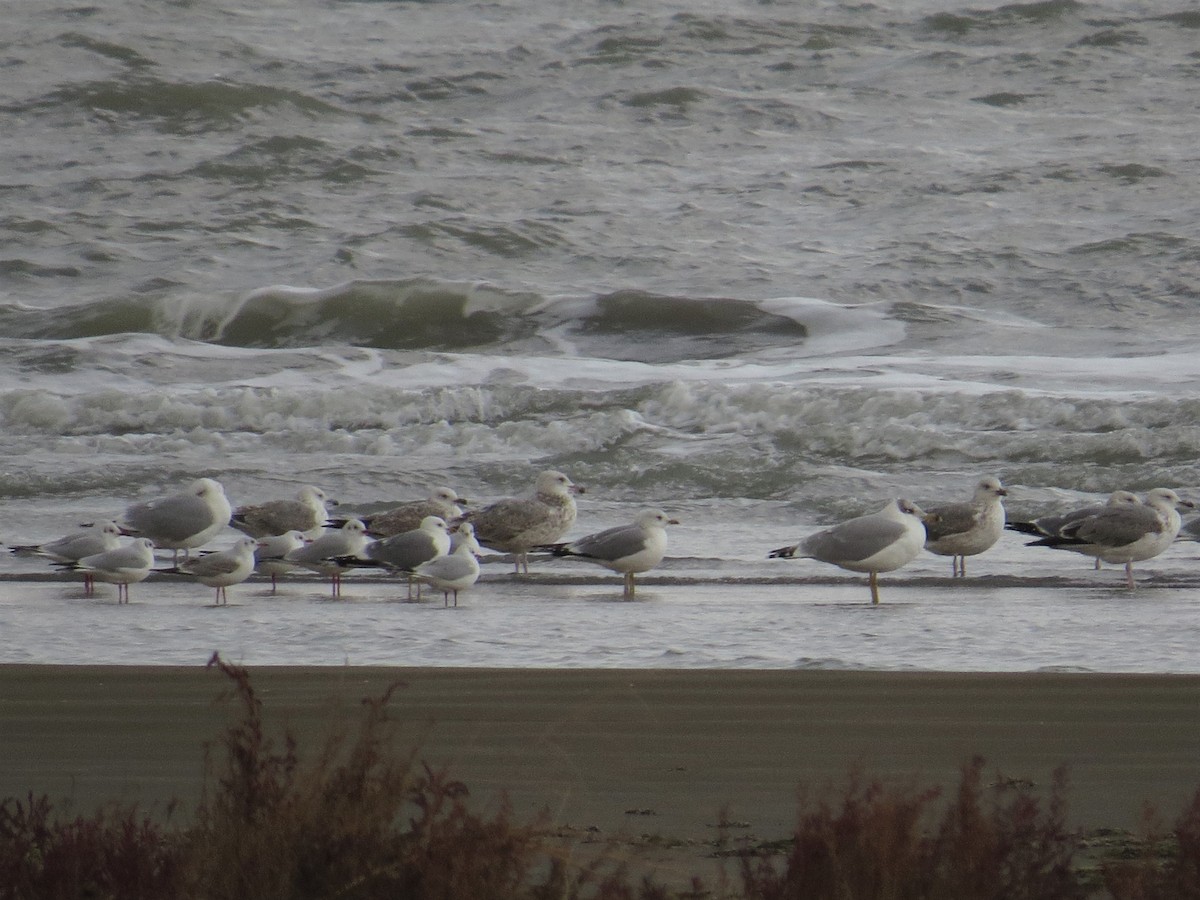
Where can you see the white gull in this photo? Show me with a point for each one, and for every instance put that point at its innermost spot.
(879, 542)
(628, 549)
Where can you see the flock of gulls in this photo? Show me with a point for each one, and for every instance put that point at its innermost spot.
(438, 541)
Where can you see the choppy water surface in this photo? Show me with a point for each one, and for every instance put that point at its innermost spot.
(765, 265)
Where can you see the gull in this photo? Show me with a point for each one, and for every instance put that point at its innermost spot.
(224, 568)
(959, 530)
(324, 554)
(628, 549)
(880, 542)
(73, 547)
(306, 513)
(406, 550)
(270, 552)
(463, 531)
(518, 524)
(1124, 533)
(454, 571)
(180, 521)
(442, 502)
(1053, 525)
(123, 566)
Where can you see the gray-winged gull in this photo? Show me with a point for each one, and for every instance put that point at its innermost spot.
(123, 566)
(269, 555)
(959, 530)
(71, 548)
(880, 542)
(408, 549)
(1053, 525)
(1124, 533)
(628, 549)
(223, 568)
(518, 524)
(180, 521)
(323, 554)
(454, 571)
(306, 513)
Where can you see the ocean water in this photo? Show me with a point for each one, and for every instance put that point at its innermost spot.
(763, 264)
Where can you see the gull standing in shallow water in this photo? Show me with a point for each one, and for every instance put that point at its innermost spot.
(74, 547)
(270, 552)
(323, 554)
(454, 571)
(180, 521)
(881, 542)
(1053, 526)
(959, 530)
(306, 513)
(628, 549)
(224, 568)
(518, 524)
(1124, 533)
(406, 550)
(124, 566)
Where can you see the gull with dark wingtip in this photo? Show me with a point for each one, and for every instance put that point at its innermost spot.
(628, 549)
(454, 571)
(881, 542)
(1054, 525)
(959, 530)
(223, 568)
(323, 554)
(73, 547)
(123, 566)
(1124, 533)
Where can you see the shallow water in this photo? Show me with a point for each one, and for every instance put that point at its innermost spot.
(727, 613)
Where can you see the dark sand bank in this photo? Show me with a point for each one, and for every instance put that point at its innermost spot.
(660, 751)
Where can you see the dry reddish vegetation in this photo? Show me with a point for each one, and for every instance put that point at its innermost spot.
(360, 821)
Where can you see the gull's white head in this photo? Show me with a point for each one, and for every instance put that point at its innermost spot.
(655, 518)
(552, 482)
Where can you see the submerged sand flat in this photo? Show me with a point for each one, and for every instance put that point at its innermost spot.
(627, 751)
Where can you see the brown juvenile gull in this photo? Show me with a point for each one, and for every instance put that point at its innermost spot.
(1124, 533)
(306, 514)
(1053, 525)
(628, 549)
(959, 530)
(442, 502)
(518, 524)
(880, 542)
(180, 521)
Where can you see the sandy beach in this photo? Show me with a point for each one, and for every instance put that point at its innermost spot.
(621, 754)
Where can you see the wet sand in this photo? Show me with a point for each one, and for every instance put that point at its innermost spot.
(627, 752)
